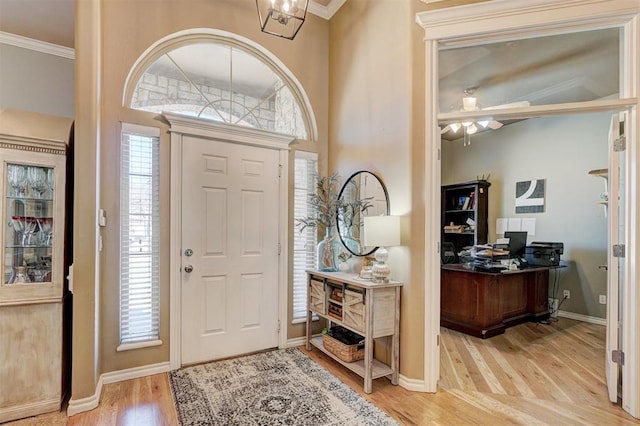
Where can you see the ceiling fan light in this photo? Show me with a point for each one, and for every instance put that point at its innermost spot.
(472, 129)
(493, 125)
(454, 127)
(484, 123)
(469, 103)
(467, 123)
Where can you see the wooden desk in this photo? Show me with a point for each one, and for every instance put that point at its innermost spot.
(483, 304)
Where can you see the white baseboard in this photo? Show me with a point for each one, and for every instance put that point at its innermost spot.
(580, 317)
(298, 341)
(89, 403)
(415, 385)
(134, 373)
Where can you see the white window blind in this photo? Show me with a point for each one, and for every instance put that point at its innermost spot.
(139, 235)
(304, 243)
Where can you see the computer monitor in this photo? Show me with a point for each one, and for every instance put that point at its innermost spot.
(517, 243)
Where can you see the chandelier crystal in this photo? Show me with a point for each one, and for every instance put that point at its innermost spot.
(282, 18)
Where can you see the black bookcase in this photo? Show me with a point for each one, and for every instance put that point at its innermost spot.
(461, 202)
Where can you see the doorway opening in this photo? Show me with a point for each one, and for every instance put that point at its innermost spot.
(560, 150)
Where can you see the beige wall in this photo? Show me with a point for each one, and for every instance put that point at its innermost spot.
(372, 128)
(85, 338)
(376, 119)
(128, 29)
(560, 150)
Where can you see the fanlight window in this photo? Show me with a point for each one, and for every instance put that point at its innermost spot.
(220, 82)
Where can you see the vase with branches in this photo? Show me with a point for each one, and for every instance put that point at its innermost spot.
(351, 216)
(325, 204)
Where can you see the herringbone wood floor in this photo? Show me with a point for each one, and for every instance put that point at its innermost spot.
(532, 375)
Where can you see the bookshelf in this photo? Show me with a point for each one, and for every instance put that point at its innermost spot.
(462, 203)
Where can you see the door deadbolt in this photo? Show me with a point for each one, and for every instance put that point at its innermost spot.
(188, 269)
(188, 252)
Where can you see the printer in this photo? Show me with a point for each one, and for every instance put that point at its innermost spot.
(543, 253)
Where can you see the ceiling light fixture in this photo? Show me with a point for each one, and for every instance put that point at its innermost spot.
(282, 18)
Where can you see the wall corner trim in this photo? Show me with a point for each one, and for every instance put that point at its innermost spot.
(85, 404)
(81, 405)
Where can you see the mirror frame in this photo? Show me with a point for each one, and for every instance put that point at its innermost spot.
(342, 190)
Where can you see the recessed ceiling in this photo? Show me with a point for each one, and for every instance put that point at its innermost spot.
(575, 67)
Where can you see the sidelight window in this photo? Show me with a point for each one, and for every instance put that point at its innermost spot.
(304, 243)
(139, 237)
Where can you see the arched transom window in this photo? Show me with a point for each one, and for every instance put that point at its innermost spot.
(223, 81)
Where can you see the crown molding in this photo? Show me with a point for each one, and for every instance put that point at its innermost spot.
(489, 14)
(325, 12)
(37, 45)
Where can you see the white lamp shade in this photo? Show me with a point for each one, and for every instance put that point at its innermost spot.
(381, 231)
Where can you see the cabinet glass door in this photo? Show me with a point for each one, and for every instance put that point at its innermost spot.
(29, 205)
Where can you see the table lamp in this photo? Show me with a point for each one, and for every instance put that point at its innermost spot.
(381, 232)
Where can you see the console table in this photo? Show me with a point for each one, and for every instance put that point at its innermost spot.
(367, 308)
(483, 304)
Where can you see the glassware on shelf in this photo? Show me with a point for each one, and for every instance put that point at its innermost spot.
(30, 224)
(18, 225)
(19, 276)
(50, 182)
(17, 179)
(40, 275)
(37, 177)
(46, 230)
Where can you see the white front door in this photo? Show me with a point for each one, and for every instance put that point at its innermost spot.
(230, 212)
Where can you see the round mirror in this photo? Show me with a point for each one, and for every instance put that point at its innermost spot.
(363, 194)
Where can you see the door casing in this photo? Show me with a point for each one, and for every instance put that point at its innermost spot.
(182, 126)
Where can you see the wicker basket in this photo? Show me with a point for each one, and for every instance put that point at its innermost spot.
(347, 353)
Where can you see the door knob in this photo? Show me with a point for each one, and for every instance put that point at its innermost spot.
(605, 267)
(188, 269)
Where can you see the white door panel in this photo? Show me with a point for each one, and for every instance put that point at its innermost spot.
(230, 210)
(615, 274)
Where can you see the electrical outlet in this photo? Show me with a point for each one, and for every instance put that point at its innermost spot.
(602, 299)
(566, 294)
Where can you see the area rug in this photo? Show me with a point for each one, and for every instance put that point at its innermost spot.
(282, 387)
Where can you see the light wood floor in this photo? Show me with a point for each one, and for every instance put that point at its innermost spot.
(532, 375)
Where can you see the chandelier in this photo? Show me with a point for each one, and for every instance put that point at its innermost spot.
(282, 18)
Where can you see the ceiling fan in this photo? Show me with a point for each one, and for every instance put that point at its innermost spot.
(470, 103)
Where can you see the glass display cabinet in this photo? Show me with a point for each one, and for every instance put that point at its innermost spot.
(33, 155)
(33, 218)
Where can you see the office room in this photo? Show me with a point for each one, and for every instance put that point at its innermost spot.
(563, 153)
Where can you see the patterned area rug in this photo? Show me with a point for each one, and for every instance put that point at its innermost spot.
(283, 387)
